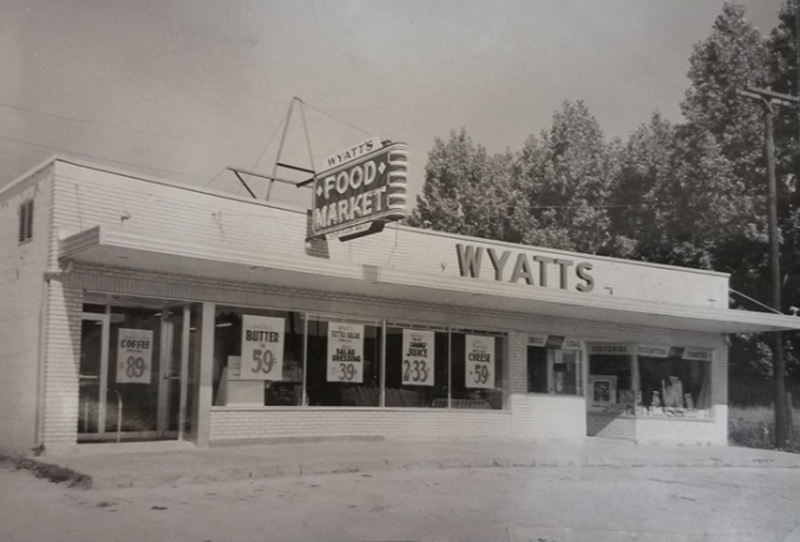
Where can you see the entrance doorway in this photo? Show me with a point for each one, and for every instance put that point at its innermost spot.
(135, 372)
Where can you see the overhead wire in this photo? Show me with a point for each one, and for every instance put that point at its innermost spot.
(67, 118)
(96, 157)
(350, 124)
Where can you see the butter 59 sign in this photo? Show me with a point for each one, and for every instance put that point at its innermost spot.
(479, 362)
(368, 189)
(262, 348)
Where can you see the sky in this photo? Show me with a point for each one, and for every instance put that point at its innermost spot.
(181, 89)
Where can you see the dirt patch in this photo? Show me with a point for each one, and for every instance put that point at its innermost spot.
(54, 473)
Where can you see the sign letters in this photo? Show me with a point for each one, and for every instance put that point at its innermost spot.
(534, 270)
(262, 348)
(345, 353)
(134, 356)
(353, 196)
(418, 361)
(479, 351)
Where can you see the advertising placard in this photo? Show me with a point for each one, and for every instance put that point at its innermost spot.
(262, 348)
(418, 362)
(345, 352)
(479, 351)
(134, 356)
(369, 189)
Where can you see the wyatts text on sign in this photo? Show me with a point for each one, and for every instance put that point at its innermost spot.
(364, 189)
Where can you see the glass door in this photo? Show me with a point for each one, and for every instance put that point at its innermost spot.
(91, 375)
(131, 367)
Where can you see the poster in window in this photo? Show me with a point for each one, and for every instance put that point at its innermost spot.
(479, 361)
(418, 368)
(262, 348)
(134, 356)
(603, 389)
(345, 353)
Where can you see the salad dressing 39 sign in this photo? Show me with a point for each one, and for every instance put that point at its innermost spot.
(479, 361)
(134, 356)
(345, 352)
(262, 347)
(418, 361)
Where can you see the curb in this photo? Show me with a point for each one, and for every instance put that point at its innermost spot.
(265, 471)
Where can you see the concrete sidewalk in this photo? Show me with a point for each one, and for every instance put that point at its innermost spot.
(169, 464)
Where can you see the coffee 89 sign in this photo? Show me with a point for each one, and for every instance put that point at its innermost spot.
(359, 196)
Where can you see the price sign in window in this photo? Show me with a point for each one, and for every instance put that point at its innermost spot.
(479, 361)
(418, 361)
(262, 347)
(345, 353)
(134, 356)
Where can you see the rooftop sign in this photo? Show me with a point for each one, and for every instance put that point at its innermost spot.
(364, 189)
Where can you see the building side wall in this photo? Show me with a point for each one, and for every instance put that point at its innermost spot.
(62, 352)
(22, 286)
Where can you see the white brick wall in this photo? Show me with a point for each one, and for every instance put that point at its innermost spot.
(190, 217)
(62, 352)
(529, 416)
(85, 198)
(231, 423)
(22, 268)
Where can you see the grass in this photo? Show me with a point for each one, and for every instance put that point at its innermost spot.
(754, 427)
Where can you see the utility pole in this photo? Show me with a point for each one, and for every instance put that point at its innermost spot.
(769, 100)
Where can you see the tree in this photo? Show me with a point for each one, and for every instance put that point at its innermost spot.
(565, 177)
(732, 57)
(466, 191)
(637, 216)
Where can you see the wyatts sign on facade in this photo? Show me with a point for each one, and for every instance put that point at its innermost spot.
(532, 269)
(363, 188)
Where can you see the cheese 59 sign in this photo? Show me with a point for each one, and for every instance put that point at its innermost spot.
(359, 196)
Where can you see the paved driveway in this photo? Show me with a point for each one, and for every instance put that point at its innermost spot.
(541, 504)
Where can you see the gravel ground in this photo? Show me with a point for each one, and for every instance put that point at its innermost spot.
(540, 504)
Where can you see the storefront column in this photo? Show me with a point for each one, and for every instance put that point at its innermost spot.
(206, 375)
(636, 383)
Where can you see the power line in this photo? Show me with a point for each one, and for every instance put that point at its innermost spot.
(29, 156)
(96, 157)
(350, 124)
(271, 138)
(109, 125)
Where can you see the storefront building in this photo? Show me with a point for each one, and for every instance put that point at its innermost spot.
(137, 309)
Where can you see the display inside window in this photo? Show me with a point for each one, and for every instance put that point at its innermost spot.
(270, 357)
(602, 390)
(611, 383)
(416, 367)
(258, 357)
(554, 370)
(673, 386)
(343, 364)
(477, 370)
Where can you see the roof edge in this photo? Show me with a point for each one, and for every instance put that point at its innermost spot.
(30, 173)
